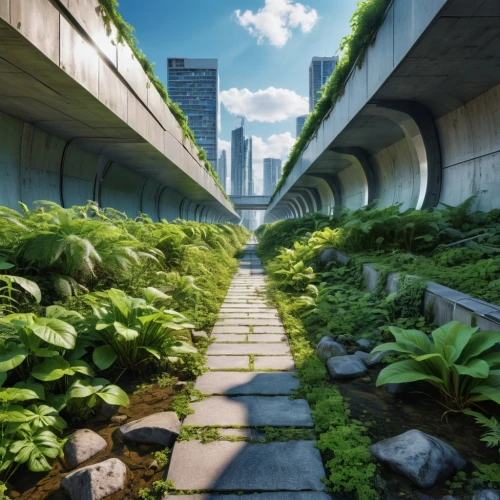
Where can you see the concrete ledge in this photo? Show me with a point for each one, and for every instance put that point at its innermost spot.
(447, 304)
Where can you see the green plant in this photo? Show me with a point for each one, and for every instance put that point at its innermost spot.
(133, 330)
(8, 291)
(455, 362)
(162, 457)
(158, 490)
(27, 434)
(492, 436)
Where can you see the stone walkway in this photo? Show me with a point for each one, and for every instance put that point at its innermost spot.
(250, 381)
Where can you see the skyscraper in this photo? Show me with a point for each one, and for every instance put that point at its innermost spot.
(300, 123)
(241, 162)
(222, 168)
(272, 173)
(319, 71)
(194, 85)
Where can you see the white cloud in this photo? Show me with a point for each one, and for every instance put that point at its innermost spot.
(275, 21)
(270, 105)
(276, 146)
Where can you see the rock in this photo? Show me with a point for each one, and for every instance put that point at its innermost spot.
(486, 495)
(346, 367)
(119, 419)
(154, 465)
(96, 481)
(327, 348)
(180, 386)
(377, 358)
(199, 335)
(108, 410)
(421, 458)
(160, 428)
(82, 446)
(363, 356)
(327, 256)
(364, 343)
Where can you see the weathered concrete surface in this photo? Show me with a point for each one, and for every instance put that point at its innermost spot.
(445, 152)
(279, 411)
(233, 383)
(275, 495)
(84, 122)
(287, 466)
(284, 363)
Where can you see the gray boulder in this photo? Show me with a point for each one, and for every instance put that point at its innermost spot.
(82, 446)
(96, 481)
(199, 335)
(346, 367)
(327, 348)
(377, 358)
(423, 459)
(364, 343)
(363, 356)
(160, 428)
(486, 495)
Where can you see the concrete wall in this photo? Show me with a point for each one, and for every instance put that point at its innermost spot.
(35, 165)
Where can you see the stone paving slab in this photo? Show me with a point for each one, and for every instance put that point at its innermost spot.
(247, 348)
(228, 362)
(228, 337)
(230, 329)
(275, 495)
(267, 337)
(283, 363)
(269, 329)
(250, 321)
(254, 411)
(246, 314)
(251, 308)
(240, 466)
(244, 383)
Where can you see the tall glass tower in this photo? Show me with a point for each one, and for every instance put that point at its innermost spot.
(319, 71)
(222, 168)
(272, 173)
(194, 85)
(241, 162)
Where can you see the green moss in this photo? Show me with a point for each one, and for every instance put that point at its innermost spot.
(162, 457)
(181, 402)
(157, 491)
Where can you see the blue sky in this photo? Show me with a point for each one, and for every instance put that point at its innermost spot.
(263, 47)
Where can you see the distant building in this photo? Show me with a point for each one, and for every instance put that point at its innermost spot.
(272, 174)
(194, 85)
(300, 123)
(222, 168)
(241, 162)
(319, 71)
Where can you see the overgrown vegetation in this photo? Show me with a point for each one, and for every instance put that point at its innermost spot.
(365, 22)
(91, 294)
(125, 34)
(321, 297)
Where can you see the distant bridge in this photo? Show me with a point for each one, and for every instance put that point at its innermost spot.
(251, 202)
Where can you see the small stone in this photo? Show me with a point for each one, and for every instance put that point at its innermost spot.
(346, 367)
(96, 481)
(377, 358)
(149, 472)
(328, 348)
(119, 419)
(108, 410)
(421, 458)
(180, 386)
(160, 428)
(363, 356)
(154, 465)
(199, 335)
(82, 446)
(364, 343)
(486, 495)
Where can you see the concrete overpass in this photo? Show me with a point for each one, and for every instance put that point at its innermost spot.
(80, 120)
(254, 202)
(418, 123)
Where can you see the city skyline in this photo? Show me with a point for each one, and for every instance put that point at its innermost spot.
(264, 80)
(272, 173)
(319, 71)
(241, 162)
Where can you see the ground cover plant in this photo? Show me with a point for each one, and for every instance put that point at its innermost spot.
(318, 297)
(91, 295)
